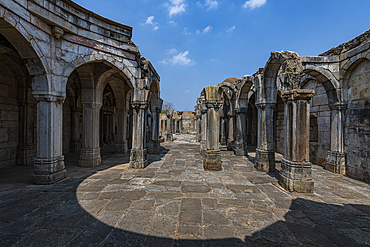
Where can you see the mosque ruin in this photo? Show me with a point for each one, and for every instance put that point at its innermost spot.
(73, 81)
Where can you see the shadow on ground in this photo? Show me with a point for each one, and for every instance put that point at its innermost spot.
(56, 215)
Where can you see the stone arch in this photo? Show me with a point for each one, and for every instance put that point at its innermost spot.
(30, 51)
(326, 78)
(244, 91)
(94, 58)
(283, 62)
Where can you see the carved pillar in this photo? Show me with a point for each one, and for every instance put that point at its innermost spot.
(169, 135)
(203, 111)
(265, 155)
(231, 131)
(336, 158)
(90, 153)
(121, 142)
(295, 174)
(138, 158)
(49, 162)
(212, 160)
(241, 132)
(154, 144)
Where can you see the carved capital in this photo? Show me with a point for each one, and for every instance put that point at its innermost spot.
(338, 106)
(50, 97)
(265, 105)
(297, 94)
(91, 105)
(57, 32)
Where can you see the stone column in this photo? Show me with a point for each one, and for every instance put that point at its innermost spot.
(75, 140)
(241, 132)
(336, 158)
(203, 140)
(138, 158)
(223, 130)
(154, 144)
(24, 152)
(90, 153)
(265, 155)
(121, 142)
(231, 133)
(169, 135)
(49, 162)
(295, 174)
(212, 160)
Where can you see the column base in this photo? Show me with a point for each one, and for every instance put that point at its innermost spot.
(240, 149)
(121, 147)
(49, 171)
(154, 147)
(335, 162)
(169, 137)
(202, 149)
(212, 160)
(296, 176)
(90, 157)
(265, 160)
(138, 158)
(231, 146)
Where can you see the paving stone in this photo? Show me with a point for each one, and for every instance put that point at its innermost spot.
(190, 230)
(94, 234)
(162, 227)
(211, 217)
(208, 203)
(168, 209)
(361, 237)
(119, 205)
(136, 221)
(146, 205)
(120, 238)
(190, 218)
(188, 204)
(195, 189)
(49, 237)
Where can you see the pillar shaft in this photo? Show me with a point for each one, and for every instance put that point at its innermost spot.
(138, 158)
(335, 158)
(241, 132)
(75, 140)
(203, 134)
(231, 132)
(212, 159)
(90, 153)
(265, 155)
(154, 144)
(169, 134)
(121, 142)
(223, 131)
(295, 174)
(49, 162)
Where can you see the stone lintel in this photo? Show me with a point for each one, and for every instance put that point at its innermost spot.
(212, 160)
(297, 94)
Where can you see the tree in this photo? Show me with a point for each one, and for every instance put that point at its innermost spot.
(167, 105)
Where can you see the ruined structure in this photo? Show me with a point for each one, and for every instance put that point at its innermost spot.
(177, 122)
(311, 109)
(72, 81)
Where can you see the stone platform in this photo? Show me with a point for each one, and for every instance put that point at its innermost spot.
(174, 202)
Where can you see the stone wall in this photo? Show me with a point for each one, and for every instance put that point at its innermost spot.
(357, 130)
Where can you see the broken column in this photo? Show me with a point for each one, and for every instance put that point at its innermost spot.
(241, 132)
(138, 157)
(212, 160)
(265, 155)
(335, 158)
(169, 115)
(49, 161)
(295, 174)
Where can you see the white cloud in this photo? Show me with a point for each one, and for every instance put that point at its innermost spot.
(172, 22)
(254, 4)
(207, 29)
(172, 51)
(181, 58)
(197, 32)
(187, 91)
(211, 4)
(149, 21)
(176, 7)
(231, 29)
(186, 31)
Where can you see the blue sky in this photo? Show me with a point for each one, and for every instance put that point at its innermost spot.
(194, 44)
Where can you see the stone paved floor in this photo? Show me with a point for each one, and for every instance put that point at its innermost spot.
(173, 202)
